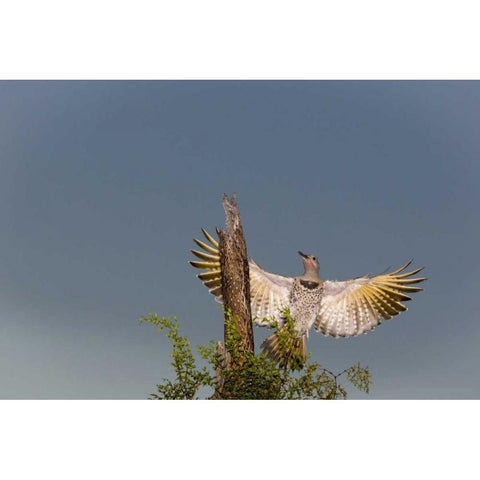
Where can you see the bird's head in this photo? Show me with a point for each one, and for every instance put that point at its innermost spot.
(310, 263)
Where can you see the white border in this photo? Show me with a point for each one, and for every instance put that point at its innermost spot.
(238, 40)
(238, 439)
(261, 39)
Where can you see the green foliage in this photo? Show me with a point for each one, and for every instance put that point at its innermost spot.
(359, 377)
(188, 378)
(242, 374)
(233, 373)
(289, 343)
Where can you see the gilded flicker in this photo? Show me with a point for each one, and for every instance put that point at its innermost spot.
(339, 309)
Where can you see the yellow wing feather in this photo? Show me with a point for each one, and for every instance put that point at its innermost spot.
(269, 293)
(210, 256)
(357, 306)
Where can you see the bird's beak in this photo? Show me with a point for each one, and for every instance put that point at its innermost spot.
(302, 254)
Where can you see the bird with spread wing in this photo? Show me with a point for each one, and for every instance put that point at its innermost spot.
(335, 308)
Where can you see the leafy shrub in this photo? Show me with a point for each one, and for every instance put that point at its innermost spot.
(233, 373)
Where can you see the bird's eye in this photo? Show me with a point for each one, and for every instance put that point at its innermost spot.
(314, 259)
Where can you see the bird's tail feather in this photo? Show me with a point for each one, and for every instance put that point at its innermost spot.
(287, 350)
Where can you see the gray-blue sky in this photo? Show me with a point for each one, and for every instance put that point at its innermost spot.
(103, 185)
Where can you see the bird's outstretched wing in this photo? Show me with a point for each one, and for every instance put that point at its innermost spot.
(210, 262)
(269, 293)
(357, 306)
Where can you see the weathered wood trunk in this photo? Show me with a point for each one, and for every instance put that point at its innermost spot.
(235, 274)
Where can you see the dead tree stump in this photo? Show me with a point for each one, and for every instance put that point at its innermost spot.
(235, 273)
